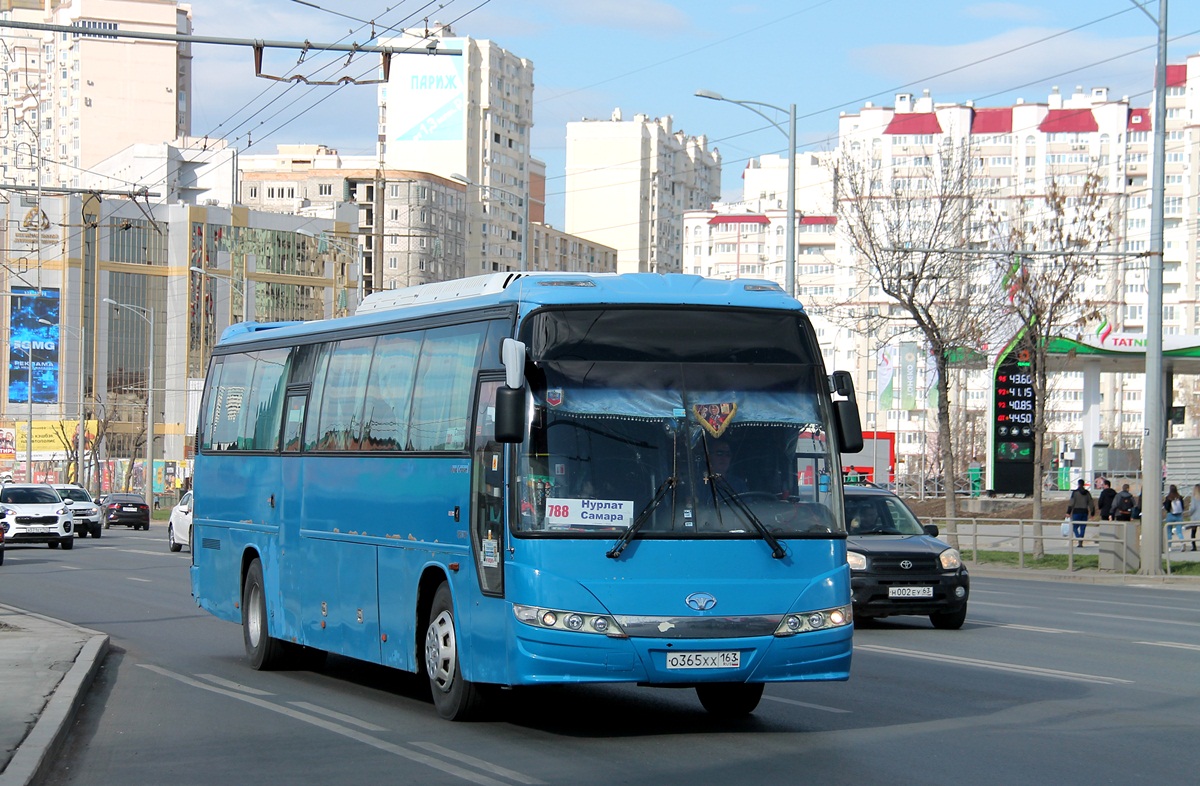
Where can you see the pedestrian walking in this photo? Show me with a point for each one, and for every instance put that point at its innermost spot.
(1105, 503)
(1173, 508)
(1080, 507)
(1123, 506)
(1192, 514)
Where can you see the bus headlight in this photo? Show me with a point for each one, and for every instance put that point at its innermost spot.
(856, 561)
(950, 559)
(573, 621)
(815, 620)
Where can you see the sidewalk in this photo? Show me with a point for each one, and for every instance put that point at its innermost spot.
(46, 668)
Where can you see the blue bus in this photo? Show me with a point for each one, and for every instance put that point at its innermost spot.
(530, 479)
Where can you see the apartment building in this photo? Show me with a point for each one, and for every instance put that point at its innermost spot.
(629, 183)
(68, 98)
(469, 118)
(554, 250)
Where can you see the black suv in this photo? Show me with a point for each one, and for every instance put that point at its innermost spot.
(899, 567)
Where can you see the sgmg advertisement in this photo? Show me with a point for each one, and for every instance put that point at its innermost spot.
(31, 341)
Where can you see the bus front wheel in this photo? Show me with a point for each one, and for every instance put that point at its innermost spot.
(265, 652)
(730, 699)
(454, 698)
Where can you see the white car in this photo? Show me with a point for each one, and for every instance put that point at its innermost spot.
(179, 528)
(35, 513)
(87, 512)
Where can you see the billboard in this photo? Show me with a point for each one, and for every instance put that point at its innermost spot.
(426, 97)
(30, 340)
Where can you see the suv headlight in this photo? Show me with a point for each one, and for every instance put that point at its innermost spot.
(950, 559)
(856, 561)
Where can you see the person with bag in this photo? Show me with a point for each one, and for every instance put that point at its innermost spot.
(1124, 504)
(1080, 507)
(1173, 508)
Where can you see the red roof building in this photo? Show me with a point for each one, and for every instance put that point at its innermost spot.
(914, 123)
(1068, 121)
(992, 121)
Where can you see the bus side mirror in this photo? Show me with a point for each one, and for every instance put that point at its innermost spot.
(845, 408)
(510, 415)
(510, 398)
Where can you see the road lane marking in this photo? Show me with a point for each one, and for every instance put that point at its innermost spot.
(995, 665)
(1175, 644)
(304, 705)
(135, 578)
(354, 734)
(487, 766)
(1029, 628)
(1139, 619)
(233, 685)
(795, 703)
(151, 553)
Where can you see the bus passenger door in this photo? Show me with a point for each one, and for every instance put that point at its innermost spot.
(487, 494)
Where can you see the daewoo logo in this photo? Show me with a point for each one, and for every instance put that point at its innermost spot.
(700, 601)
(906, 564)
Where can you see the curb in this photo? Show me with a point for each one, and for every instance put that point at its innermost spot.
(1088, 577)
(33, 757)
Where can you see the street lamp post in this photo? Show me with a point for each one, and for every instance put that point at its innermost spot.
(80, 437)
(147, 315)
(524, 200)
(790, 133)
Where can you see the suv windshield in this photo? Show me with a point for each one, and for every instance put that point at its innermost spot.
(29, 496)
(75, 494)
(879, 514)
(727, 441)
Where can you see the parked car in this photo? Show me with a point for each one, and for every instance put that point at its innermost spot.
(35, 513)
(179, 527)
(83, 507)
(898, 566)
(128, 509)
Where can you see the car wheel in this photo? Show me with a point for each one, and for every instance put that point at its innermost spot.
(730, 699)
(83, 533)
(265, 652)
(68, 542)
(172, 544)
(52, 544)
(454, 698)
(96, 531)
(949, 620)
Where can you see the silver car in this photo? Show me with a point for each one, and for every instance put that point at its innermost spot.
(83, 508)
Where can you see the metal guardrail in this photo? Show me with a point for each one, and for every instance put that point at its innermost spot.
(1118, 541)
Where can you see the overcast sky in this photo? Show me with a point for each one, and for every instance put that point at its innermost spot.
(650, 56)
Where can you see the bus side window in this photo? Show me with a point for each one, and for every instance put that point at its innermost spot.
(293, 424)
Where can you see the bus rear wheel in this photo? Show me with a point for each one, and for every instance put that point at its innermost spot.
(730, 699)
(265, 653)
(454, 698)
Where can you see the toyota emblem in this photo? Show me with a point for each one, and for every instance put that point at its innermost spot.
(700, 601)
(906, 564)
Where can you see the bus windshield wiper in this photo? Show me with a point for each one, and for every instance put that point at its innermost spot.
(729, 496)
(642, 518)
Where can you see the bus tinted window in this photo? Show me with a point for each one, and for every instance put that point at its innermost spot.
(229, 396)
(443, 391)
(266, 401)
(389, 392)
(340, 422)
(311, 427)
(211, 397)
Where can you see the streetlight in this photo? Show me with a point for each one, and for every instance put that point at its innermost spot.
(147, 315)
(524, 200)
(233, 282)
(80, 438)
(790, 133)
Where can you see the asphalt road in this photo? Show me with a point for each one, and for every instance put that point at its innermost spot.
(1047, 682)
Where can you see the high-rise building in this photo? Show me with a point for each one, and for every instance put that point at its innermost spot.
(468, 117)
(73, 96)
(628, 183)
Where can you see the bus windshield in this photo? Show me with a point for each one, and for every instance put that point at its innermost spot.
(707, 445)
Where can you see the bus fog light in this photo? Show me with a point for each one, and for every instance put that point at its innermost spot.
(574, 622)
(838, 617)
(549, 618)
(816, 620)
(793, 623)
(600, 625)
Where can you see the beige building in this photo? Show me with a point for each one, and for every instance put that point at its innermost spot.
(72, 96)
(465, 117)
(629, 182)
(554, 250)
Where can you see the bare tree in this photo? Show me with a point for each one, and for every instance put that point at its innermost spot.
(1050, 244)
(908, 229)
